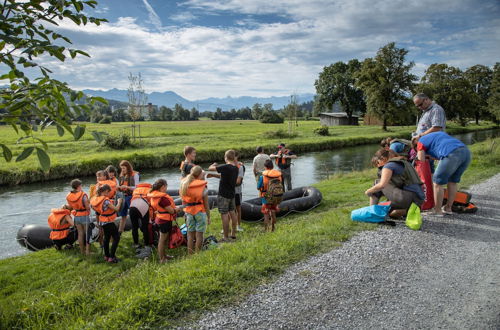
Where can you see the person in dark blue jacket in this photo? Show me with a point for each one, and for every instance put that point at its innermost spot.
(454, 158)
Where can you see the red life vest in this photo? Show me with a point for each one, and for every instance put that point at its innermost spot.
(104, 216)
(266, 176)
(75, 200)
(59, 231)
(194, 197)
(161, 213)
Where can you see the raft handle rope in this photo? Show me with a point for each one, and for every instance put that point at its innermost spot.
(27, 244)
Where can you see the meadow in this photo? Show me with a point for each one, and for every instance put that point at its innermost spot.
(161, 144)
(51, 289)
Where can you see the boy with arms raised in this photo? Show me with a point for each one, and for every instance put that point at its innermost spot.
(225, 199)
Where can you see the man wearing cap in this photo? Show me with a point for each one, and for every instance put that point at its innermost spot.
(283, 158)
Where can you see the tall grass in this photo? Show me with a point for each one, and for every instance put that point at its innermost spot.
(51, 289)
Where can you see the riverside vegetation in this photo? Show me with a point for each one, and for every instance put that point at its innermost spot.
(52, 289)
(162, 143)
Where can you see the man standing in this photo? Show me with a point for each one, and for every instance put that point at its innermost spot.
(433, 117)
(283, 159)
(258, 163)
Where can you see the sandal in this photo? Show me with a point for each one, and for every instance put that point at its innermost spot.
(446, 212)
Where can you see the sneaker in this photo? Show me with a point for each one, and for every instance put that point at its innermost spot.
(239, 229)
(222, 231)
(114, 260)
(169, 257)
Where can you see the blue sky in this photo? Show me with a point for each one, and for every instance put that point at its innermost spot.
(203, 48)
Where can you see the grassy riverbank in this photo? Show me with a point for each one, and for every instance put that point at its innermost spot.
(162, 143)
(51, 289)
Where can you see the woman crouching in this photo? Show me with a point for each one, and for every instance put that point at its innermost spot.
(398, 182)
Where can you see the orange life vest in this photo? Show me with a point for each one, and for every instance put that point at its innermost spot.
(104, 216)
(112, 184)
(75, 200)
(282, 160)
(125, 181)
(142, 191)
(266, 176)
(161, 213)
(59, 231)
(194, 197)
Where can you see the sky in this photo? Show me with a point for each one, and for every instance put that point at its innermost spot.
(210, 48)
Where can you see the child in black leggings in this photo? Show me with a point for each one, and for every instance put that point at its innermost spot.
(107, 214)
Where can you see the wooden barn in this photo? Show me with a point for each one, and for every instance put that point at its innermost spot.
(337, 119)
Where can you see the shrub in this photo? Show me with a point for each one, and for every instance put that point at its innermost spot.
(322, 130)
(105, 120)
(279, 134)
(120, 141)
(271, 117)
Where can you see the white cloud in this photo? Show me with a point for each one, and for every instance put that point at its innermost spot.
(252, 57)
(183, 17)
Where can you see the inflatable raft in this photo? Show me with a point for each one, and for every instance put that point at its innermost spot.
(296, 200)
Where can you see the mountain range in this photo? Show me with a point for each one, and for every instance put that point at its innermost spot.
(170, 98)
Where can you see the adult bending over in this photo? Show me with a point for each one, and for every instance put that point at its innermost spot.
(454, 158)
(398, 181)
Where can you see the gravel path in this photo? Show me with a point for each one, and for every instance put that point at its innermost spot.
(446, 276)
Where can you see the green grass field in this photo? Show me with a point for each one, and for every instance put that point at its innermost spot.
(51, 289)
(162, 143)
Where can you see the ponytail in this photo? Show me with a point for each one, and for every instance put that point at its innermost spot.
(158, 184)
(193, 175)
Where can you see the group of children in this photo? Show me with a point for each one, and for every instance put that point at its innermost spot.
(153, 211)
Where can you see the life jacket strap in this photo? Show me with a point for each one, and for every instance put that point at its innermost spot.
(193, 204)
(61, 229)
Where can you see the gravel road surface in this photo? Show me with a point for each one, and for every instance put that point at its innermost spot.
(445, 276)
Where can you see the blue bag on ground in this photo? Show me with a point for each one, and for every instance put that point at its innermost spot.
(372, 213)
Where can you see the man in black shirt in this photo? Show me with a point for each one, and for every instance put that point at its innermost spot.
(283, 158)
(225, 199)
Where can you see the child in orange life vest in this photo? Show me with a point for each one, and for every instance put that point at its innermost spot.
(78, 202)
(102, 179)
(165, 214)
(188, 163)
(194, 195)
(269, 210)
(113, 176)
(103, 205)
(128, 181)
(60, 222)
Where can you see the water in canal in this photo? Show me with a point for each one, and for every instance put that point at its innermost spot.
(31, 203)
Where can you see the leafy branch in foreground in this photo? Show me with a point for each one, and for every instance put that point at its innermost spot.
(31, 105)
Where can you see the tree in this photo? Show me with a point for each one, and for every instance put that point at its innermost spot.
(494, 99)
(32, 105)
(256, 111)
(194, 114)
(448, 86)
(386, 82)
(137, 99)
(336, 83)
(166, 114)
(479, 77)
(271, 116)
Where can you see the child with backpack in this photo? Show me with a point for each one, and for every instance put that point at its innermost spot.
(271, 190)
